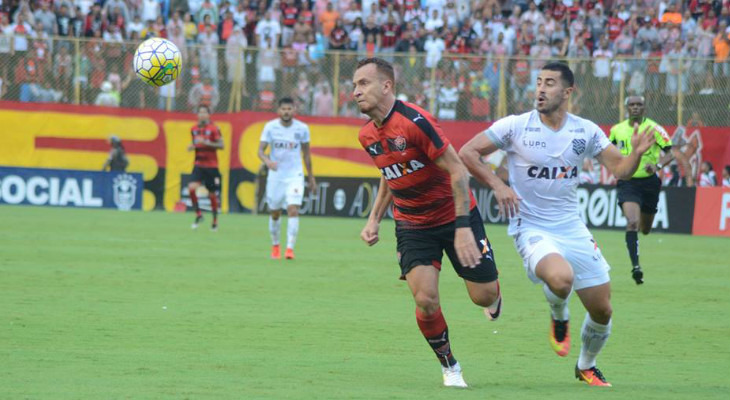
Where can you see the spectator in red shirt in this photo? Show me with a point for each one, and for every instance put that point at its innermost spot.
(615, 25)
(289, 17)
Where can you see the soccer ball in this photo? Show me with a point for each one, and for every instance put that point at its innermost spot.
(157, 61)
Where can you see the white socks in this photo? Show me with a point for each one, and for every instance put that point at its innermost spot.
(594, 336)
(274, 229)
(558, 305)
(292, 228)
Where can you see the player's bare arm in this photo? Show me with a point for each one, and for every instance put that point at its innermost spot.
(464, 243)
(369, 233)
(215, 144)
(265, 158)
(624, 167)
(472, 155)
(307, 154)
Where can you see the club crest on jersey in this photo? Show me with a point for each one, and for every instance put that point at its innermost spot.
(552, 172)
(398, 170)
(397, 144)
(579, 146)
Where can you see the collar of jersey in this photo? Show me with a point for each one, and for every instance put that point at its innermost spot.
(387, 117)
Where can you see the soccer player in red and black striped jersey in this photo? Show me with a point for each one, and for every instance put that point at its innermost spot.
(207, 140)
(434, 210)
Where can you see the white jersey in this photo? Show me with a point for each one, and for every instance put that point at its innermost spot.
(286, 147)
(544, 165)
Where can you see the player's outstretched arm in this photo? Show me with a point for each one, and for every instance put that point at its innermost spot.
(624, 167)
(464, 243)
(369, 233)
(265, 158)
(471, 154)
(216, 144)
(308, 164)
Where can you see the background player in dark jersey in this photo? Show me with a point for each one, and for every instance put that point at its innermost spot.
(207, 140)
(638, 196)
(117, 160)
(433, 208)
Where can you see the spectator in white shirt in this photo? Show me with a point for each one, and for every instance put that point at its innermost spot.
(268, 28)
(434, 23)
(434, 47)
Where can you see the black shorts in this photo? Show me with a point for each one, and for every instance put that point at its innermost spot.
(644, 191)
(210, 177)
(426, 246)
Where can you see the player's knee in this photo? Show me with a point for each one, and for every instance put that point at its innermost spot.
(485, 298)
(645, 230)
(632, 224)
(561, 284)
(428, 303)
(292, 212)
(602, 315)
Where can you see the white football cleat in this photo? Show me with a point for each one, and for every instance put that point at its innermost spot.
(453, 377)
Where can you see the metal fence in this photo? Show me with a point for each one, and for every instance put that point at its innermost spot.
(454, 87)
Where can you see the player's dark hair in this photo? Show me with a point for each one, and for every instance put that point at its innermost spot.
(727, 169)
(565, 73)
(204, 106)
(381, 66)
(286, 100)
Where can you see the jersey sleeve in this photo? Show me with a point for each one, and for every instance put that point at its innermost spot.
(599, 141)
(306, 136)
(265, 136)
(429, 137)
(662, 137)
(501, 132)
(217, 134)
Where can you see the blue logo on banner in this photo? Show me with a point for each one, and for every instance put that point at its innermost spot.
(71, 188)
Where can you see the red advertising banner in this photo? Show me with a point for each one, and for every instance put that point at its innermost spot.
(713, 217)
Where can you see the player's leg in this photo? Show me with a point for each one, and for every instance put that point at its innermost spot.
(193, 186)
(481, 282)
(292, 229)
(213, 184)
(423, 282)
(294, 197)
(632, 213)
(275, 201)
(649, 201)
(419, 256)
(595, 332)
(275, 233)
(557, 277)
(646, 221)
(545, 264)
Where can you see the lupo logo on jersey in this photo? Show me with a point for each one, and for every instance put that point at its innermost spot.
(398, 170)
(552, 172)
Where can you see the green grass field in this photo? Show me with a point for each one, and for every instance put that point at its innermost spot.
(113, 305)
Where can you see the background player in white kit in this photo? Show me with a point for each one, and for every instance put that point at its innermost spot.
(289, 140)
(545, 150)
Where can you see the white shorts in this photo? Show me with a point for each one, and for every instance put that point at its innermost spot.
(283, 193)
(575, 244)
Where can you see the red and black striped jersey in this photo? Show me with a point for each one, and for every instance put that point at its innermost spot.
(205, 156)
(404, 148)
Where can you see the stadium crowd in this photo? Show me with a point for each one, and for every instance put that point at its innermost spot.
(287, 47)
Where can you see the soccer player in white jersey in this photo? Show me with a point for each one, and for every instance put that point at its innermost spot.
(289, 141)
(545, 150)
